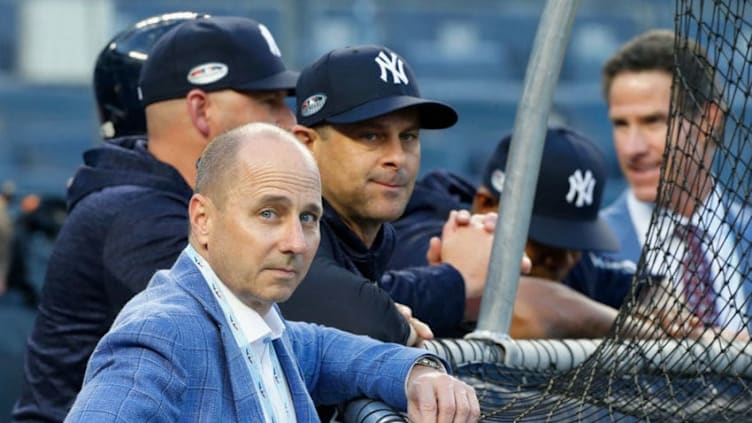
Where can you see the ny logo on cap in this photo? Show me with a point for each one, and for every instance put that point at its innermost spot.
(581, 188)
(497, 180)
(393, 65)
(269, 40)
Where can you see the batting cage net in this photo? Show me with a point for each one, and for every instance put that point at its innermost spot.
(679, 349)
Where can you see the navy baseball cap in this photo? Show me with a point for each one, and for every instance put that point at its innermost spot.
(213, 54)
(568, 195)
(353, 84)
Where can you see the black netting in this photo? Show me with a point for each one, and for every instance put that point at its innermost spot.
(671, 355)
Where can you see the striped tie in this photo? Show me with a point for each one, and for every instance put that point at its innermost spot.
(696, 276)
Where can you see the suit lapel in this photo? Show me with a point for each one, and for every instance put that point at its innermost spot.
(633, 246)
(304, 408)
(620, 221)
(244, 397)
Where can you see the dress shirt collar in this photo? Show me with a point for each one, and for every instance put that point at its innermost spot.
(253, 325)
(705, 217)
(640, 211)
(708, 216)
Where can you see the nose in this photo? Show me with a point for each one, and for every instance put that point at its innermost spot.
(394, 152)
(293, 240)
(634, 142)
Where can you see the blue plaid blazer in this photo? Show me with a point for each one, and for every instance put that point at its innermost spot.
(170, 357)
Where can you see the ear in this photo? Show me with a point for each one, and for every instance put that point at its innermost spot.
(307, 136)
(198, 103)
(200, 214)
(484, 202)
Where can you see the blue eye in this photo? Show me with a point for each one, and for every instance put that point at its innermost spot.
(267, 214)
(308, 218)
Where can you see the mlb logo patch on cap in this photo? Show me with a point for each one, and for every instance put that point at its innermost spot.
(207, 73)
(312, 104)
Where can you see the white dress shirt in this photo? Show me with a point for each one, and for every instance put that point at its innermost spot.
(640, 212)
(258, 331)
(667, 250)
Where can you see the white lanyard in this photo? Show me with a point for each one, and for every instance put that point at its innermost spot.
(252, 362)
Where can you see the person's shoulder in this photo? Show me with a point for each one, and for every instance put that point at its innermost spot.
(127, 195)
(736, 207)
(739, 212)
(617, 211)
(608, 264)
(440, 191)
(127, 200)
(130, 219)
(446, 181)
(133, 205)
(165, 306)
(116, 175)
(330, 267)
(618, 204)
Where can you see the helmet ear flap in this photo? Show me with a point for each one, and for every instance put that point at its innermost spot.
(117, 70)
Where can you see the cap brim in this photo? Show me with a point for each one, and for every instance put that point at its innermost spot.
(285, 80)
(573, 235)
(433, 114)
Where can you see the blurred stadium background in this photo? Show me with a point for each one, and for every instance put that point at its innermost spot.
(472, 54)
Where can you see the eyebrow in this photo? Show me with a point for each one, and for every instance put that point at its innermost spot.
(315, 208)
(281, 199)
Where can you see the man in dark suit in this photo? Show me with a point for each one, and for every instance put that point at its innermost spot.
(699, 220)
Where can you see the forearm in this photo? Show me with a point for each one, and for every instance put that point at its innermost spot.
(349, 366)
(546, 309)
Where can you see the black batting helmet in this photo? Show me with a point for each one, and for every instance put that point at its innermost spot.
(117, 70)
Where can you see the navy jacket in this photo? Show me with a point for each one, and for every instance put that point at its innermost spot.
(349, 288)
(439, 192)
(127, 219)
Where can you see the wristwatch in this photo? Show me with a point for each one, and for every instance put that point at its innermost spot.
(428, 361)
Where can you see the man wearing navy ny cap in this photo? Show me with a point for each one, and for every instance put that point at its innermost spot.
(565, 218)
(128, 202)
(360, 113)
(564, 226)
(564, 229)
